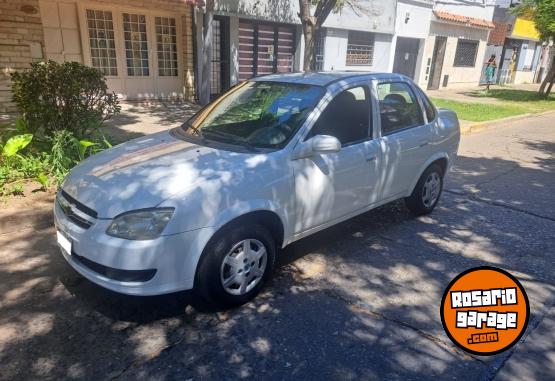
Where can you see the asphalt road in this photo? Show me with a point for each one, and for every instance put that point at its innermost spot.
(357, 301)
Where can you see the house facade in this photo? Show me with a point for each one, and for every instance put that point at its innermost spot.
(412, 29)
(249, 38)
(145, 49)
(456, 46)
(516, 45)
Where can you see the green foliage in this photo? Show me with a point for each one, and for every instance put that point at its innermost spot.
(63, 107)
(15, 144)
(543, 14)
(67, 96)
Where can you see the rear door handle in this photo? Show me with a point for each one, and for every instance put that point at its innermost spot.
(424, 144)
(370, 158)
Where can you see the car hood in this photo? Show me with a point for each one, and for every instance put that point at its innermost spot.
(144, 172)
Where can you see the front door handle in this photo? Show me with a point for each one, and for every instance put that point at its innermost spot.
(424, 144)
(370, 157)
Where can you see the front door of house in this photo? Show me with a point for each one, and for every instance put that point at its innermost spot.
(406, 55)
(265, 49)
(437, 63)
(139, 51)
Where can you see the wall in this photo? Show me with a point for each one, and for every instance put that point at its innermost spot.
(482, 9)
(458, 76)
(373, 16)
(21, 39)
(63, 41)
(418, 25)
(285, 11)
(335, 51)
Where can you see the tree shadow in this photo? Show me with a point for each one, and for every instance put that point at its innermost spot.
(358, 300)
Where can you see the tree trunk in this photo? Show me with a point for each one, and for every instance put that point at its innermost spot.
(204, 93)
(549, 78)
(309, 32)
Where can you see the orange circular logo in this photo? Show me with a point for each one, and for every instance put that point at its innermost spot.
(485, 310)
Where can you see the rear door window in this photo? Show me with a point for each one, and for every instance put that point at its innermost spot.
(399, 107)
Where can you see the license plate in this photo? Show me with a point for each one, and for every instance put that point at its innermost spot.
(64, 243)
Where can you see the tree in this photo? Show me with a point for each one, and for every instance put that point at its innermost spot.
(543, 14)
(311, 23)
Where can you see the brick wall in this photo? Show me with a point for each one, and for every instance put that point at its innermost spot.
(21, 42)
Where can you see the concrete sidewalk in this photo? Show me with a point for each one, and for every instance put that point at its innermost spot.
(142, 118)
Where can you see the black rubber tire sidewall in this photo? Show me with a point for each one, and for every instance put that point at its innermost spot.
(207, 281)
(414, 201)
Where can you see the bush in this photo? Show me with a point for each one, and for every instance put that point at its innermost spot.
(67, 96)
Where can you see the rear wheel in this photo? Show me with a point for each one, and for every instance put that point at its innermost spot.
(235, 265)
(427, 192)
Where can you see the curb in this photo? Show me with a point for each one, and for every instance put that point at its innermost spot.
(479, 126)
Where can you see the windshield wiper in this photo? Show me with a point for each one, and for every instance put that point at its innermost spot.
(226, 138)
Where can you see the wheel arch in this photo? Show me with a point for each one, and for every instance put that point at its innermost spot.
(440, 158)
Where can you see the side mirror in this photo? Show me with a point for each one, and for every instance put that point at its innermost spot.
(325, 144)
(315, 145)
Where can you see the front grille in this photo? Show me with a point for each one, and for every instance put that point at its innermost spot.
(116, 274)
(76, 212)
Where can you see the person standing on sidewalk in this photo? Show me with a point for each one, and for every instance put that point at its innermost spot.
(491, 65)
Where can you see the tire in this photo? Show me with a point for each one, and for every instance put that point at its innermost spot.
(229, 244)
(431, 181)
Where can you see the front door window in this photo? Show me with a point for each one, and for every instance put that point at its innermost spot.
(166, 45)
(136, 47)
(101, 39)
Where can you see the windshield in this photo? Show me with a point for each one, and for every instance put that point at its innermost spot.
(257, 114)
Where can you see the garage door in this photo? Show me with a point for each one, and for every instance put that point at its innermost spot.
(265, 49)
(139, 51)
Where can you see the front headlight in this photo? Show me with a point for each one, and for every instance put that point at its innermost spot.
(140, 224)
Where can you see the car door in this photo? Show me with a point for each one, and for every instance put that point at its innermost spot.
(406, 140)
(333, 185)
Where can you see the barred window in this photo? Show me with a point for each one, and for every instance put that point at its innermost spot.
(166, 42)
(360, 48)
(101, 39)
(466, 53)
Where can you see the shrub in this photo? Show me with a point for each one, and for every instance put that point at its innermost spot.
(67, 96)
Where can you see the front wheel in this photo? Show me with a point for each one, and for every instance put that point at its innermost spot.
(235, 265)
(425, 195)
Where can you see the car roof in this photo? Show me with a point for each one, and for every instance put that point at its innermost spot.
(325, 78)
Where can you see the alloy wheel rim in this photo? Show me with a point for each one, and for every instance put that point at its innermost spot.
(431, 189)
(243, 267)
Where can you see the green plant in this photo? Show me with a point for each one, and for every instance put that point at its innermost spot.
(16, 144)
(69, 96)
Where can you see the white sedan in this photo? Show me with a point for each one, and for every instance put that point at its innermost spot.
(208, 205)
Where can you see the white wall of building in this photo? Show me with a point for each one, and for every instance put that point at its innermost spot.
(413, 18)
(482, 9)
(413, 21)
(458, 76)
(335, 51)
(373, 16)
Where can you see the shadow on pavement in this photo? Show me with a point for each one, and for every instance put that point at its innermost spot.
(356, 301)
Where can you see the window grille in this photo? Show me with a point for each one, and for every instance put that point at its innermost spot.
(360, 49)
(466, 53)
(136, 49)
(166, 44)
(101, 40)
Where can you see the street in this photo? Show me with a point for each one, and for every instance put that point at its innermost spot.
(357, 301)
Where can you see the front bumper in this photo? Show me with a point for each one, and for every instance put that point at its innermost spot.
(159, 266)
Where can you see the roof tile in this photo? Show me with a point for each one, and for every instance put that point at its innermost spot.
(447, 16)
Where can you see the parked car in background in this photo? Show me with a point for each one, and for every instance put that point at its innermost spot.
(277, 158)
